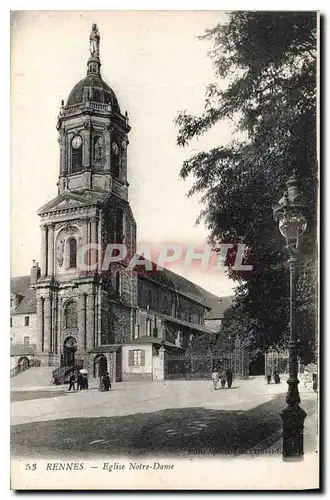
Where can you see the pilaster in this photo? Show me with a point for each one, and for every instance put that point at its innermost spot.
(90, 310)
(47, 324)
(82, 322)
(40, 325)
(50, 259)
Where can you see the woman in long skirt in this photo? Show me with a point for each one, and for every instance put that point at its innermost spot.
(101, 384)
(223, 379)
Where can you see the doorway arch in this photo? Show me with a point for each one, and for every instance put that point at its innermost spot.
(100, 365)
(23, 363)
(69, 350)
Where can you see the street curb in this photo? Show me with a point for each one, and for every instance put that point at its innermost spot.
(271, 444)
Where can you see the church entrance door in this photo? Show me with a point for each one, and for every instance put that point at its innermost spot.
(100, 365)
(69, 349)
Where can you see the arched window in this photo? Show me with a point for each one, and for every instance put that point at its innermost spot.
(76, 153)
(118, 284)
(72, 252)
(70, 315)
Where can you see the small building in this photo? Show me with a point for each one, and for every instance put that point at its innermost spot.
(214, 317)
(23, 320)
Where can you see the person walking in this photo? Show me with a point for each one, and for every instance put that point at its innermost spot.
(269, 376)
(85, 382)
(314, 378)
(215, 378)
(72, 381)
(277, 379)
(80, 383)
(229, 376)
(106, 382)
(223, 378)
(101, 384)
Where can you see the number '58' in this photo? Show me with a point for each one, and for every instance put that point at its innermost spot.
(30, 466)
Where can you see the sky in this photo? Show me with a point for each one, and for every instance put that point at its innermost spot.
(157, 67)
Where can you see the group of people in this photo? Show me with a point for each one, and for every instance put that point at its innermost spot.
(275, 375)
(81, 380)
(225, 376)
(105, 382)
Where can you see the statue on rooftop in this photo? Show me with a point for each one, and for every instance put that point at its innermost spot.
(94, 41)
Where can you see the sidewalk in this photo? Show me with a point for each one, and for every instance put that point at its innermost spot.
(272, 445)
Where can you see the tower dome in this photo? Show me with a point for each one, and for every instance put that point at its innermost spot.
(92, 87)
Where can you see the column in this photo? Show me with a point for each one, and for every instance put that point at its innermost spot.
(40, 325)
(94, 253)
(61, 141)
(82, 322)
(107, 148)
(43, 260)
(123, 161)
(47, 324)
(90, 310)
(50, 250)
(83, 254)
(94, 229)
(158, 368)
(86, 144)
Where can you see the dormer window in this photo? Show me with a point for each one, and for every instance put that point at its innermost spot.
(76, 153)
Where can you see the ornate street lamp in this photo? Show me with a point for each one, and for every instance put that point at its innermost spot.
(289, 212)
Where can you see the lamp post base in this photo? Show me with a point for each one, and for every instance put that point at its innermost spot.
(293, 418)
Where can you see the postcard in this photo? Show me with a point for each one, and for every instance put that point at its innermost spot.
(164, 250)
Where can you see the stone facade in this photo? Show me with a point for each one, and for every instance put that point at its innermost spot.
(20, 332)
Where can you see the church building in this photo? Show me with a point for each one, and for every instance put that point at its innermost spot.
(119, 319)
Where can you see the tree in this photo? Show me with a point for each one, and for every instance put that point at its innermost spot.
(269, 59)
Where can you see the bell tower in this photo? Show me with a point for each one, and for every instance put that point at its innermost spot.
(82, 305)
(93, 134)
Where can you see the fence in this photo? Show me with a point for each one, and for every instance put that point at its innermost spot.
(200, 367)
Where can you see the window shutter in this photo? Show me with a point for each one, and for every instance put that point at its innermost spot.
(143, 357)
(130, 358)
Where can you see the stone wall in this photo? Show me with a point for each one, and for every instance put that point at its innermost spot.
(166, 301)
(18, 329)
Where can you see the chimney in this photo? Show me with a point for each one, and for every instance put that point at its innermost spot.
(35, 272)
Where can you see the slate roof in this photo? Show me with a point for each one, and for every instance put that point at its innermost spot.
(20, 285)
(101, 92)
(177, 283)
(219, 307)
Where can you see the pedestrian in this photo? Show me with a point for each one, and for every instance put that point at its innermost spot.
(277, 379)
(106, 382)
(215, 378)
(314, 378)
(229, 376)
(101, 384)
(269, 376)
(223, 378)
(72, 381)
(80, 382)
(85, 381)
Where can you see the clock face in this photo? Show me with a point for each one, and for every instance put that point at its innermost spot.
(115, 148)
(76, 142)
